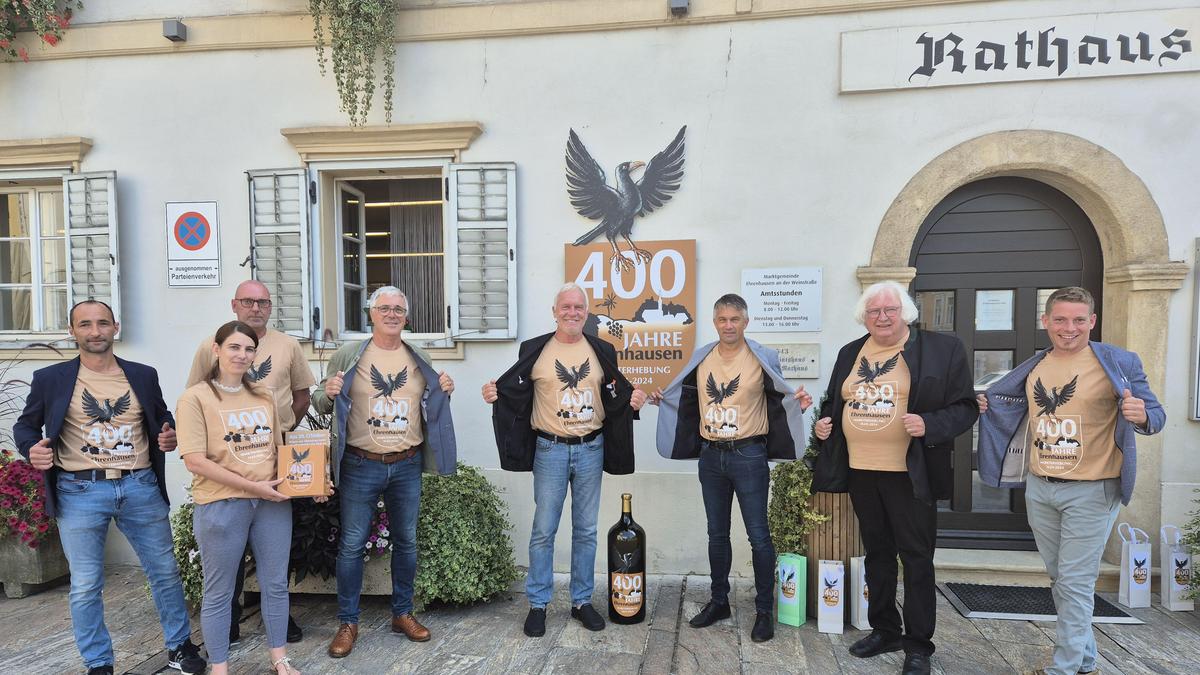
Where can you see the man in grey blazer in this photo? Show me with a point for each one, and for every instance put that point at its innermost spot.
(1069, 417)
(731, 409)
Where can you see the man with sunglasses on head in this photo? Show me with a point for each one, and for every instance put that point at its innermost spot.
(281, 367)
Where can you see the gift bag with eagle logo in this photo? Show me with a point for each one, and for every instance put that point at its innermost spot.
(831, 615)
(791, 571)
(858, 593)
(1135, 567)
(1176, 574)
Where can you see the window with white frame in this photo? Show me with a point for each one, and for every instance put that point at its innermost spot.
(57, 247)
(445, 235)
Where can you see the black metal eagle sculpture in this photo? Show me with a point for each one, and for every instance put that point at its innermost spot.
(617, 207)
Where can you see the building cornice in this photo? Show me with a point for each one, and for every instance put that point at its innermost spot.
(31, 153)
(393, 140)
(419, 24)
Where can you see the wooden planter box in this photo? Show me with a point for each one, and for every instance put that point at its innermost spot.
(835, 539)
(25, 570)
(377, 580)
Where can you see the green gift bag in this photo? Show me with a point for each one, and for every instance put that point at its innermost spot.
(791, 571)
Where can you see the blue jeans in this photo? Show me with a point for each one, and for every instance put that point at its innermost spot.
(554, 467)
(744, 472)
(85, 508)
(1071, 523)
(363, 481)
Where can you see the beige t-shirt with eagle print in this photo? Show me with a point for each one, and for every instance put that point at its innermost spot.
(567, 381)
(876, 396)
(733, 405)
(103, 427)
(236, 431)
(385, 401)
(1072, 418)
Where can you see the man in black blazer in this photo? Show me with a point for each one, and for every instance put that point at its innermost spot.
(897, 399)
(97, 427)
(564, 412)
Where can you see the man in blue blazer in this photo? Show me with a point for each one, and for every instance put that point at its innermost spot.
(1064, 424)
(97, 427)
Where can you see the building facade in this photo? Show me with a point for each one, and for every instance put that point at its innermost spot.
(985, 152)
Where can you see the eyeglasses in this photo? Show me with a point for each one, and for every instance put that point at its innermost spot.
(886, 311)
(391, 309)
(250, 302)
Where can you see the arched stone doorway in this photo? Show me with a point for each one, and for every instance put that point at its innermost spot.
(1139, 277)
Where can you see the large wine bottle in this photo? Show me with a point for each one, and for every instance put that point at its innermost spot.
(626, 567)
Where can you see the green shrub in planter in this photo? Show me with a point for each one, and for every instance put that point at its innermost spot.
(789, 513)
(1191, 539)
(464, 553)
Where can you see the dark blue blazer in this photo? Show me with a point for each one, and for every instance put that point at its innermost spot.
(46, 408)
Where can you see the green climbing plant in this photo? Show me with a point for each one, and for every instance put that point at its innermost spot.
(360, 37)
(45, 18)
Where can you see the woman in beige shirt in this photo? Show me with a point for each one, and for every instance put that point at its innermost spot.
(228, 437)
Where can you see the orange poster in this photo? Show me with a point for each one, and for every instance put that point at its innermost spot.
(646, 309)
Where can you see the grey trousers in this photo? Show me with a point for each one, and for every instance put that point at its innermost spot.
(222, 530)
(1071, 523)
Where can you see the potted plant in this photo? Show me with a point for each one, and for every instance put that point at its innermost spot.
(30, 551)
(791, 517)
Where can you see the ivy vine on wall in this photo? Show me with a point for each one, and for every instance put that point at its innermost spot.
(45, 18)
(360, 37)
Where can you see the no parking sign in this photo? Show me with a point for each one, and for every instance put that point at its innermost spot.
(193, 244)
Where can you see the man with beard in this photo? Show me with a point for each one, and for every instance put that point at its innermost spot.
(281, 367)
(106, 428)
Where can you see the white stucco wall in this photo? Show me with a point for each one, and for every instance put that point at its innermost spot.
(781, 171)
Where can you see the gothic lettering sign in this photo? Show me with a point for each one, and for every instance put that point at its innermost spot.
(644, 308)
(1047, 48)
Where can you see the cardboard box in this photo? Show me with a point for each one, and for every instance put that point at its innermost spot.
(303, 464)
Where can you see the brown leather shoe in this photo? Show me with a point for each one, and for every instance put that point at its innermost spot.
(343, 641)
(412, 629)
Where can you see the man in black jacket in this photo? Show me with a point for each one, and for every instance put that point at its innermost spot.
(565, 412)
(896, 400)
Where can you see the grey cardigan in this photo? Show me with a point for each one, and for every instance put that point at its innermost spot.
(1004, 429)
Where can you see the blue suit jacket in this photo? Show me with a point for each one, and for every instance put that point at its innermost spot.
(46, 408)
(1004, 428)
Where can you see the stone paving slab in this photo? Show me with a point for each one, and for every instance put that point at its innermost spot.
(36, 638)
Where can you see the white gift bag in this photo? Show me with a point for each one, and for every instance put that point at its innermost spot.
(1175, 578)
(831, 616)
(858, 593)
(1135, 566)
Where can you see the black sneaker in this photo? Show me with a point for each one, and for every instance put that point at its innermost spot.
(535, 622)
(711, 613)
(101, 670)
(186, 659)
(588, 616)
(294, 632)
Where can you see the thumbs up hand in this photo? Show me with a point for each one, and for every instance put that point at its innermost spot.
(1133, 408)
(333, 384)
(166, 438)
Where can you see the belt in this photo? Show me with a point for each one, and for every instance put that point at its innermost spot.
(1052, 479)
(568, 440)
(100, 474)
(734, 445)
(382, 458)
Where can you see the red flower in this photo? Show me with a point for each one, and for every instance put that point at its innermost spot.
(7, 503)
(21, 526)
(12, 521)
(50, 39)
(23, 54)
(43, 527)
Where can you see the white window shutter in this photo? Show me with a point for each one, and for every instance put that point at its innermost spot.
(90, 201)
(280, 247)
(482, 203)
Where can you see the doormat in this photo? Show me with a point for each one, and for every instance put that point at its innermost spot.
(1020, 603)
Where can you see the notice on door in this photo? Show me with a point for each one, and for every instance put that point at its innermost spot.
(193, 245)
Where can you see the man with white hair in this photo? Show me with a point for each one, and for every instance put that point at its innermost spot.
(897, 399)
(565, 412)
(391, 420)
